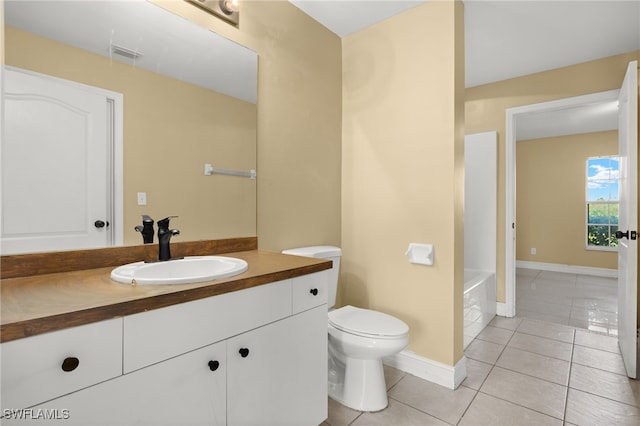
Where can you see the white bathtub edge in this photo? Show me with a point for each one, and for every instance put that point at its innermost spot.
(444, 375)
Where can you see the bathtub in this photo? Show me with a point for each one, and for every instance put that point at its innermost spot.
(479, 302)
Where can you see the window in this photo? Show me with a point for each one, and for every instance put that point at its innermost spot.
(602, 202)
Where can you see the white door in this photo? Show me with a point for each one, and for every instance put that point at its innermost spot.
(627, 234)
(56, 155)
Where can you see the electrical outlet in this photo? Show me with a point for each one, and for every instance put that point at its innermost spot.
(142, 198)
(533, 251)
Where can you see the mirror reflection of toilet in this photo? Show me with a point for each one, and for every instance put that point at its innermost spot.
(358, 340)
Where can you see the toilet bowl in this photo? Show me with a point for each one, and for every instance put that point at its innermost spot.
(358, 340)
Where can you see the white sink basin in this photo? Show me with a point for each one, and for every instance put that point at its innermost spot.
(193, 269)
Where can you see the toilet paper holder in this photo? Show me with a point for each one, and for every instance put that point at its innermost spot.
(419, 253)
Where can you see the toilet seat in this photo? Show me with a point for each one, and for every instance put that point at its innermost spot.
(367, 323)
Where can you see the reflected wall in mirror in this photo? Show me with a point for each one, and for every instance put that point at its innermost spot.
(189, 98)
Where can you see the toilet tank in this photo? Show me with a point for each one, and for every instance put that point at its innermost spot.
(323, 252)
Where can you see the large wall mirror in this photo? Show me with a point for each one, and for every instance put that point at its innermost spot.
(187, 97)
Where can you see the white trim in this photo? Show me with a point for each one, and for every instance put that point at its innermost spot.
(570, 269)
(445, 375)
(510, 181)
(503, 311)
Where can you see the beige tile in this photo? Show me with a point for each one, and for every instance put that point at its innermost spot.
(445, 404)
(497, 335)
(504, 322)
(541, 345)
(539, 395)
(397, 413)
(603, 383)
(339, 415)
(593, 327)
(587, 409)
(540, 366)
(601, 360)
(593, 280)
(597, 341)
(392, 376)
(477, 372)
(559, 277)
(484, 351)
(525, 272)
(542, 316)
(548, 330)
(490, 411)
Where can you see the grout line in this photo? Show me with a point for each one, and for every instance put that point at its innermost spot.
(567, 386)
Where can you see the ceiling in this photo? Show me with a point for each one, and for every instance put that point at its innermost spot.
(513, 38)
(149, 36)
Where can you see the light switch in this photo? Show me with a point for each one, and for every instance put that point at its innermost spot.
(142, 198)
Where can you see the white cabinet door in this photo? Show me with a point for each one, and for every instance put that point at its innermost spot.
(186, 390)
(282, 380)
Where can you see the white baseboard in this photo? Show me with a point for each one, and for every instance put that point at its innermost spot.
(445, 375)
(571, 269)
(503, 311)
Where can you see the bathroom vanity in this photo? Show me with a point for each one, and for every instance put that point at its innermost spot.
(251, 349)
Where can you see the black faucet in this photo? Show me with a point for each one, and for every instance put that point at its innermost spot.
(164, 237)
(146, 229)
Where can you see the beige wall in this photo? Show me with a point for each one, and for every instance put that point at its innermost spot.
(486, 107)
(402, 172)
(550, 206)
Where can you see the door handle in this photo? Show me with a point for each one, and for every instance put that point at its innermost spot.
(100, 224)
(631, 235)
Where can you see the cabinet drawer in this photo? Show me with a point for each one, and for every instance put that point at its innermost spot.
(32, 368)
(310, 291)
(184, 390)
(153, 336)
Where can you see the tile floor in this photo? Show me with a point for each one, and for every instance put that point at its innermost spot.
(520, 371)
(582, 301)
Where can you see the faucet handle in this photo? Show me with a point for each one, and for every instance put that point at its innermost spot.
(164, 223)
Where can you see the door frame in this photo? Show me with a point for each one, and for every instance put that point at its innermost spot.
(508, 308)
(116, 154)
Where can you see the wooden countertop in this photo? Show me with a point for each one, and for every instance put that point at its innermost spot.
(36, 304)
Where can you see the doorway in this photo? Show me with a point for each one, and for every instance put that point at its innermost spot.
(513, 115)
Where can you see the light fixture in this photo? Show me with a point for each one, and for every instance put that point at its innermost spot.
(229, 6)
(228, 10)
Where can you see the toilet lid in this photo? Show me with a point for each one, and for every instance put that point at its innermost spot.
(366, 322)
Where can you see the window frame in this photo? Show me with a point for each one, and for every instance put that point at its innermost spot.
(608, 202)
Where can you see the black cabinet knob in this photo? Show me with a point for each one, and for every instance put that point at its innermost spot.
(314, 291)
(70, 363)
(213, 365)
(244, 352)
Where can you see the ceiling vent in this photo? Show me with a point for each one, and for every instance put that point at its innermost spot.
(124, 52)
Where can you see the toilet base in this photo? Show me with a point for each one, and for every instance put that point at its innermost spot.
(363, 387)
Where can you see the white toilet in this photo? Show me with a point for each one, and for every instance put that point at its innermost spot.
(358, 340)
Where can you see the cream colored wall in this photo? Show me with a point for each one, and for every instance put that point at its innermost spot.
(550, 209)
(486, 105)
(403, 94)
(299, 120)
(171, 129)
